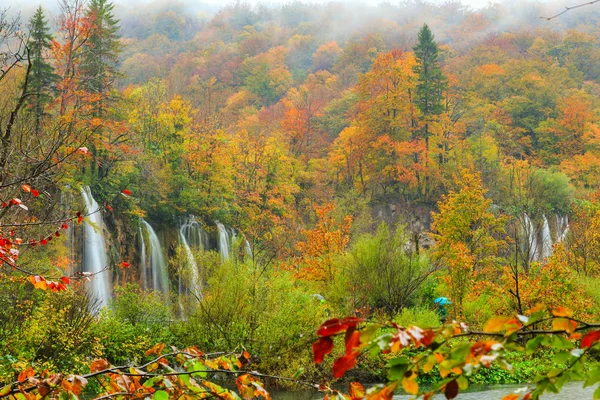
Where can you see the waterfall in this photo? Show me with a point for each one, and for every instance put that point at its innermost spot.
(94, 250)
(194, 285)
(158, 266)
(248, 248)
(531, 238)
(546, 250)
(562, 227)
(143, 264)
(223, 240)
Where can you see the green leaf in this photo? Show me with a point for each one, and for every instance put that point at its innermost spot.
(560, 343)
(161, 395)
(533, 343)
(299, 373)
(561, 357)
(597, 393)
(198, 366)
(366, 335)
(593, 377)
(460, 351)
(150, 382)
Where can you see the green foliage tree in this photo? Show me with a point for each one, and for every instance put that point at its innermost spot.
(385, 270)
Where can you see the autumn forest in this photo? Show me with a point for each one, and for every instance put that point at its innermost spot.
(405, 193)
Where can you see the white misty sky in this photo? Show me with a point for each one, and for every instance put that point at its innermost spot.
(27, 4)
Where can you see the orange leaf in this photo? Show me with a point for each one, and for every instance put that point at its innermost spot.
(511, 396)
(28, 373)
(564, 324)
(496, 324)
(562, 312)
(26, 188)
(357, 391)
(410, 385)
(98, 365)
(156, 349)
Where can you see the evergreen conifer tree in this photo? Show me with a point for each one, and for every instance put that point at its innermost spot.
(42, 78)
(431, 82)
(99, 66)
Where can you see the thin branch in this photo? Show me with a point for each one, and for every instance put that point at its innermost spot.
(589, 3)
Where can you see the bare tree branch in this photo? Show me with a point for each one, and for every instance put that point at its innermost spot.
(589, 3)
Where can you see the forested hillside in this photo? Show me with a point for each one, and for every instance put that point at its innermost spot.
(230, 181)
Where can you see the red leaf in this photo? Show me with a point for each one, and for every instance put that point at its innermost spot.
(343, 364)
(351, 322)
(35, 193)
(65, 226)
(322, 347)
(32, 242)
(331, 327)
(590, 339)
(109, 208)
(43, 242)
(352, 340)
(79, 219)
(65, 280)
(57, 234)
(451, 390)
(124, 264)
(127, 192)
(4, 204)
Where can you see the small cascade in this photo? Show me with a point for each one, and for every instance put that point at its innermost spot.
(248, 248)
(157, 265)
(531, 238)
(143, 264)
(94, 250)
(194, 285)
(562, 227)
(223, 240)
(195, 235)
(546, 248)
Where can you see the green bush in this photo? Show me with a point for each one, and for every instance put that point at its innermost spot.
(134, 321)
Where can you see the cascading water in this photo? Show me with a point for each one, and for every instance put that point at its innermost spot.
(94, 250)
(194, 285)
(223, 241)
(143, 264)
(157, 265)
(562, 227)
(546, 250)
(531, 238)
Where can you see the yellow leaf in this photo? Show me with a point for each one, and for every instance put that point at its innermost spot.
(564, 324)
(562, 312)
(496, 324)
(410, 385)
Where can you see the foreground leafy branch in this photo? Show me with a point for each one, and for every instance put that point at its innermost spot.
(447, 352)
